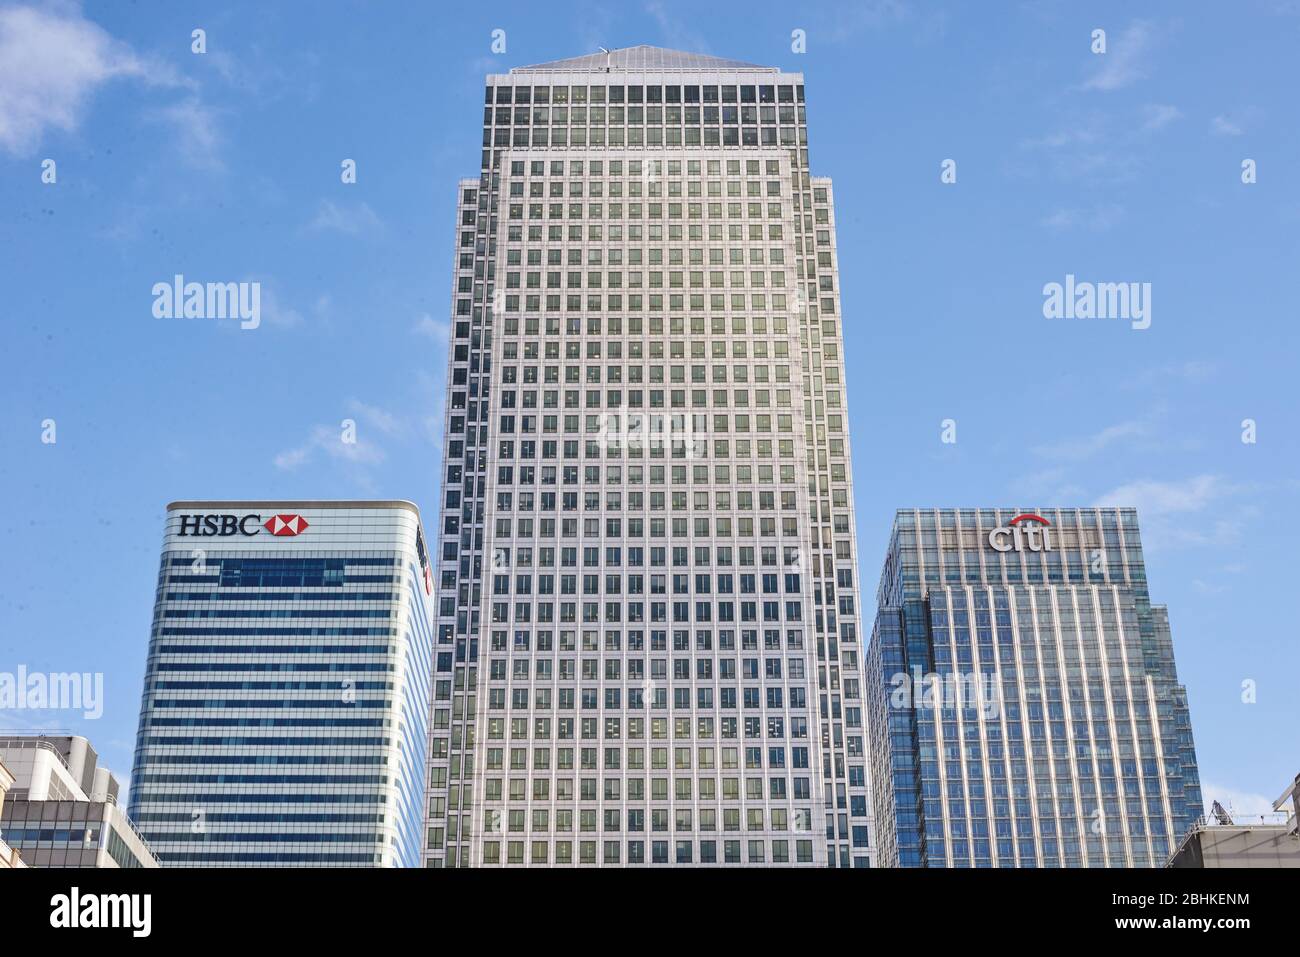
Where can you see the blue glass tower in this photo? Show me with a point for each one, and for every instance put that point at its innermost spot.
(1024, 706)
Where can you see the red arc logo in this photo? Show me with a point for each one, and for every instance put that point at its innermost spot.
(1028, 517)
(289, 525)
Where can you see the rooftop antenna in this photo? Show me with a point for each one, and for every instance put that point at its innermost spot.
(607, 56)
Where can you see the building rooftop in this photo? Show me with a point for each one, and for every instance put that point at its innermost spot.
(291, 503)
(645, 59)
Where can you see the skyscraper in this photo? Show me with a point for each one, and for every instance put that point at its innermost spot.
(286, 693)
(647, 639)
(1024, 706)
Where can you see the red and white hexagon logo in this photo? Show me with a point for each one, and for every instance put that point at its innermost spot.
(285, 525)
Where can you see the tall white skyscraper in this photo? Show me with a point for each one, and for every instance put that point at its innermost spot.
(647, 647)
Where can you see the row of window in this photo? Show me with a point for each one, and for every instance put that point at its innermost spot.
(257, 597)
(549, 450)
(652, 93)
(653, 136)
(624, 420)
(524, 639)
(705, 757)
(547, 115)
(591, 699)
(684, 819)
(641, 232)
(650, 170)
(638, 232)
(523, 612)
(747, 584)
(636, 502)
(756, 852)
(637, 255)
(1110, 519)
(613, 279)
(657, 180)
(978, 854)
(572, 211)
(610, 728)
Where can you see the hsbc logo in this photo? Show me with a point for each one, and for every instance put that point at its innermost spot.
(225, 526)
(1027, 532)
(285, 525)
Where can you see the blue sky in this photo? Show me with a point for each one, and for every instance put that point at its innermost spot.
(224, 166)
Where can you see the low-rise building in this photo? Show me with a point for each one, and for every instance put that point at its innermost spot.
(1224, 840)
(62, 810)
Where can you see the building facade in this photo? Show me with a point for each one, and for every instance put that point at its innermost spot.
(62, 810)
(9, 857)
(1024, 706)
(648, 645)
(287, 688)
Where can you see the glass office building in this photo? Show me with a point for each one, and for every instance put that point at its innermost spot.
(648, 645)
(287, 688)
(1023, 702)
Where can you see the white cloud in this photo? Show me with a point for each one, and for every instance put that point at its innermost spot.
(1222, 126)
(1124, 61)
(1090, 147)
(431, 389)
(330, 440)
(1083, 447)
(1205, 510)
(350, 220)
(1083, 133)
(1062, 219)
(1239, 804)
(51, 63)
(290, 459)
(1160, 115)
(1156, 498)
(845, 22)
(354, 446)
(1048, 485)
(1236, 123)
(676, 31)
(436, 329)
(275, 311)
(1098, 219)
(1190, 370)
(381, 419)
(197, 134)
(19, 721)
